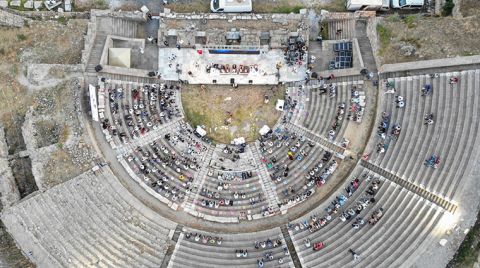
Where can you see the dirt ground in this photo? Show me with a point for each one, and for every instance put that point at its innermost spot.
(469, 8)
(40, 42)
(50, 42)
(244, 107)
(414, 37)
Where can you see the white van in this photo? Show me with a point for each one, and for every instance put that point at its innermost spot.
(407, 4)
(237, 6)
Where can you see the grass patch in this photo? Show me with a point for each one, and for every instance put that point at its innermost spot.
(21, 37)
(287, 9)
(64, 133)
(410, 21)
(334, 6)
(393, 18)
(62, 20)
(384, 34)
(448, 8)
(195, 118)
(412, 40)
(324, 30)
(228, 113)
(196, 6)
(467, 53)
(281, 6)
(467, 253)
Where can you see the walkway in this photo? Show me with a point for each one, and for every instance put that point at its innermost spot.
(447, 205)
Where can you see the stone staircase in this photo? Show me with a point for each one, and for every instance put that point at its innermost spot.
(323, 142)
(199, 179)
(90, 220)
(267, 185)
(150, 136)
(291, 247)
(171, 246)
(104, 26)
(347, 27)
(447, 205)
(191, 253)
(365, 46)
(128, 78)
(450, 137)
(124, 27)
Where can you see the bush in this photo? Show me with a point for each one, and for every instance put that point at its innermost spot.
(384, 35)
(393, 18)
(21, 37)
(287, 9)
(410, 21)
(62, 20)
(324, 28)
(448, 8)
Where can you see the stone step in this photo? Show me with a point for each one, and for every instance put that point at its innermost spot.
(447, 205)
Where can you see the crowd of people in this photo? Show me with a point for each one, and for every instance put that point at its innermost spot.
(229, 189)
(282, 150)
(140, 109)
(268, 245)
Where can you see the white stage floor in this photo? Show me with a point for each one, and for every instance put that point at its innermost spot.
(189, 60)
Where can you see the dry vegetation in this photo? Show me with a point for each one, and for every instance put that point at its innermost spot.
(280, 6)
(470, 8)
(190, 6)
(262, 6)
(430, 38)
(249, 113)
(41, 42)
(332, 6)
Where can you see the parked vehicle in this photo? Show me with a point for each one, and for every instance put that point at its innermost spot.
(383, 5)
(234, 6)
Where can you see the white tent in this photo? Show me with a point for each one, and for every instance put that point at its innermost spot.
(238, 141)
(201, 131)
(264, 130)
(93, 102)
(279, 105)
(119, 57)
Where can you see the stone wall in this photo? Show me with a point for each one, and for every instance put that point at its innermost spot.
(89, 40)
(8, 189)
(11, 20)
(346, 15)
(135, 15)
(230, 16)
(92, 28)
(431, 64)
(372, 36)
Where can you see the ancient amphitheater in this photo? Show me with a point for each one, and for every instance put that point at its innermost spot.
(347, 170)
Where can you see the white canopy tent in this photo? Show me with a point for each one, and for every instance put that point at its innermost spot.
(264, 130)
(201, 131)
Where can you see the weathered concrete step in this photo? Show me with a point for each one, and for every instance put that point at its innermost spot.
(316, 138)
(447, 205)
(291, 247)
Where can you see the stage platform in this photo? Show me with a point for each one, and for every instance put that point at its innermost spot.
(190, 60)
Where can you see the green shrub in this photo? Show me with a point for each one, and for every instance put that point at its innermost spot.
(62, 20)
(324, 28)
(393, 18)
(287, 9)
(21, 37)
(410, 21)
(448, 8)
(384, 35)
